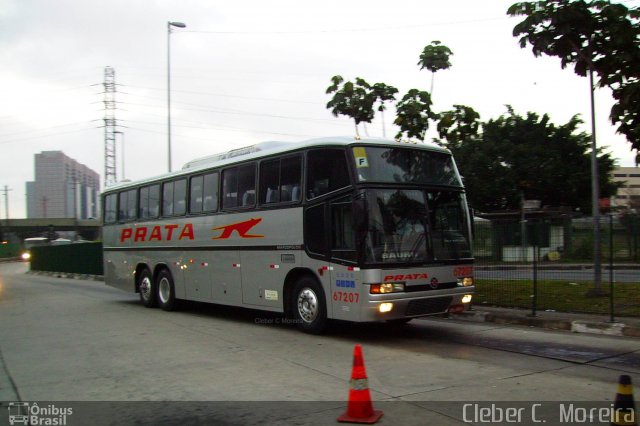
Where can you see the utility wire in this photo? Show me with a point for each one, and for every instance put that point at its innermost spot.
(219, 95)
(238, 112)
(45, 136)
(225, 129)
(42, 130)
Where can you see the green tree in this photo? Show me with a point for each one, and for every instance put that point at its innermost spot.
(530, 156)
(458, 125)
(384, 93)
(355, 100)
(597, 36)
(435, 57)
(413, 114)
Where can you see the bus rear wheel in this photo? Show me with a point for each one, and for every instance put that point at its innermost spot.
(166, 292)
(146, 288)
(308, 306)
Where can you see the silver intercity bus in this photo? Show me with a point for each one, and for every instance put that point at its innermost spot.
(336, 228)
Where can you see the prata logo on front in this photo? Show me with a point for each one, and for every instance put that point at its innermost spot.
(28, 413)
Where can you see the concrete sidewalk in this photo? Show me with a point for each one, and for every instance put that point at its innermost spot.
(577, 323)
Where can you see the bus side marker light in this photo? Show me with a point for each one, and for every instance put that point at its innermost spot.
(236, 265)
(274, 266)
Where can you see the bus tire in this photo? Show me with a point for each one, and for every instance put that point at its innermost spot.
(146, 289)
(308, 306)
(165, 290)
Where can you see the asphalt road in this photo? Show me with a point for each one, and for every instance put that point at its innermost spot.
(95, 350)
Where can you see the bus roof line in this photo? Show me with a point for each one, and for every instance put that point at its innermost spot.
(267, 148)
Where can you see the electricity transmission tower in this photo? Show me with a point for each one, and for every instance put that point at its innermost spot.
(109, 126)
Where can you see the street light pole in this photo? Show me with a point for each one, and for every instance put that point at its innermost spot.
(169, 25)
(595, 198)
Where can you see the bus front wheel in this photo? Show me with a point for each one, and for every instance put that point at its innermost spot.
(309, 306)
(166, 292)
(146, 288)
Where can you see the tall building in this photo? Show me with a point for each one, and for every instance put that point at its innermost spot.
(63, 188)
(629, 194)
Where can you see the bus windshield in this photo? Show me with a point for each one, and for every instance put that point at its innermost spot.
(407, 225)
(405, 165)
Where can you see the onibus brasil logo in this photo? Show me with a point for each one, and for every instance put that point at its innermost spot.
(28, 413)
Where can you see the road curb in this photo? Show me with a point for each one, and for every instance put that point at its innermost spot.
(576, 326)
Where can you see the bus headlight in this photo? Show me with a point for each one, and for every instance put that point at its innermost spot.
(26, 255)
(465, 282)
(386, 288)
(466, 298)
(385, 307)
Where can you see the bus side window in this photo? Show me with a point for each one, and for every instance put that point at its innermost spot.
(132, 207)
(285, 193)
(110, 208)
(180, 197)
(269, 182)
(290, 178)
(249, 198)
(122, 206)
(210, 192)
(167, 199)
(327, 171)
(195, 201)
(296, 193)
(127, 208)
(230, 188)
(247, 185)
(280, 180)
(239, 186)
(154, 201)
(143, 210)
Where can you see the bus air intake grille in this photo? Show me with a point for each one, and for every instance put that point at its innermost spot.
(434, 305)
(428, 287)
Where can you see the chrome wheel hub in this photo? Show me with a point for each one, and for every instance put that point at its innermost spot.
(307, 305)
(145, 288)
(165, 290)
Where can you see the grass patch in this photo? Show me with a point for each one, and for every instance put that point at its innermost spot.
(561, 296)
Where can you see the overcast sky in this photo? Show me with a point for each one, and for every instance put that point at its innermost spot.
(248, 71)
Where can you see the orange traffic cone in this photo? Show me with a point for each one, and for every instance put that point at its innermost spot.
(624, 410)
(359, 409)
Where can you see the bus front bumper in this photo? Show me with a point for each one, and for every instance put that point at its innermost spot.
(399, 306)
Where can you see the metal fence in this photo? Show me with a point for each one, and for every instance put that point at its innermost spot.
(545, 264)
(84, 258)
